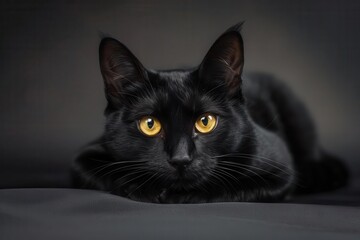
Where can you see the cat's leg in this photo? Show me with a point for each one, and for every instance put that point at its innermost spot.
(316, 169)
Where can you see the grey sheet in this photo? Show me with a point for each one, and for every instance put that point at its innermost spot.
(85, 214)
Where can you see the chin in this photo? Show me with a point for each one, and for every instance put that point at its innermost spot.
(187, 179)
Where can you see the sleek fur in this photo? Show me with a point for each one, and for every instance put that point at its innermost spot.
(263, 148)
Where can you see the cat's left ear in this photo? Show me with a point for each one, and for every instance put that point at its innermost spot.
(223, 64)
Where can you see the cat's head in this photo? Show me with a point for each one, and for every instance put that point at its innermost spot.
(171, 125)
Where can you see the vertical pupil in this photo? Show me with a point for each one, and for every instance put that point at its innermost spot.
(150, 123)
(205, 121)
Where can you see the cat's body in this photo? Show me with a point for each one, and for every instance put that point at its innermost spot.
(261, 147)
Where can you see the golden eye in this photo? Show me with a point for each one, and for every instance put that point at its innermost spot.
(149, 126)
(206, 123)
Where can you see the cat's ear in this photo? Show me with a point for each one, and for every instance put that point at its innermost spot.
(119, 68)
(224, 62)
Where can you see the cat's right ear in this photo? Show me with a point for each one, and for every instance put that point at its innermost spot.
(223, 64)
(119, 68)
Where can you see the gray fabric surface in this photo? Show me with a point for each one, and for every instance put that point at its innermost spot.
(85, 214)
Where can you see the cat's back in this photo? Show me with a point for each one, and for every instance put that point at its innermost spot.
(261, 86)
(260, 92)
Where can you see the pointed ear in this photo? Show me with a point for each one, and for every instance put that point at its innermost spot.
(119, 68)
(224, 62)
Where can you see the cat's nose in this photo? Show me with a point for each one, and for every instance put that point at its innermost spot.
(180, 156)
(180, 161)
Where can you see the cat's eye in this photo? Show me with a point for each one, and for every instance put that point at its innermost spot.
(206, 123)
(149, 126)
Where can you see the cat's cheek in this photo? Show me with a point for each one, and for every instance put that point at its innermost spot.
(200, 144)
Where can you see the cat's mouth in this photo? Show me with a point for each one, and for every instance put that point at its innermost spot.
(191, 175)
(187, 178)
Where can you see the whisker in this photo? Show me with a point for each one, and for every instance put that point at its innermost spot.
(220, 177)
(155, 174)
(247, 176)
(253, 157)
(130, 167)
(245, 166)
(103, 167)
(144, 172)
(222, 169)
(268, 162)
(132, 179)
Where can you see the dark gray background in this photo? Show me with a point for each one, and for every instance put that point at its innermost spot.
(51, 98)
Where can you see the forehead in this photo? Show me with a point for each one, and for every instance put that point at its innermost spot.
(173, 93)
(175, 81)
(174, 90)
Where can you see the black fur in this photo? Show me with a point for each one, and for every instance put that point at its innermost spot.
(263, 148)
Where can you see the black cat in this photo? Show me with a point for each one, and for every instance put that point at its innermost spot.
(202, 135)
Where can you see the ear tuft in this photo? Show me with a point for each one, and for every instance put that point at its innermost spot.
(235, 28)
